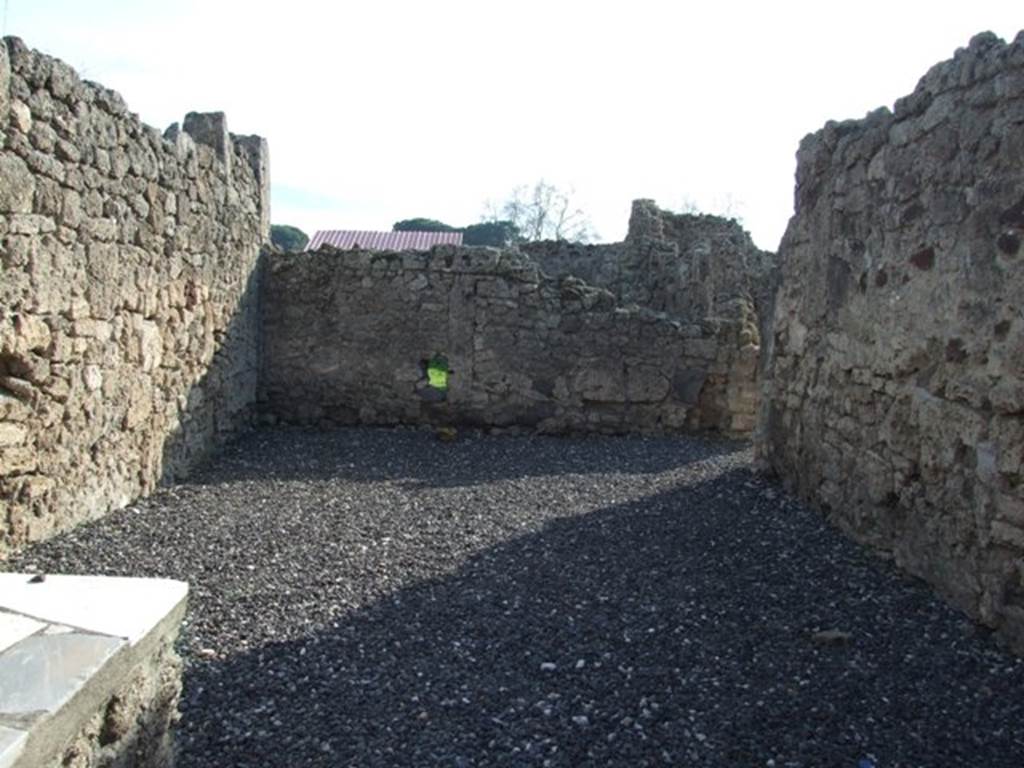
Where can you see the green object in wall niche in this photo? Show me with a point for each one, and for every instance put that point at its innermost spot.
(437, 372)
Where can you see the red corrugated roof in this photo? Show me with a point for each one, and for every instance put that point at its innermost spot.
(383, 241)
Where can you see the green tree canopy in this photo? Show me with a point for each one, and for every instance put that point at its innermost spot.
(499, 234)
(422, 225)
(495, 233)
(288, 238)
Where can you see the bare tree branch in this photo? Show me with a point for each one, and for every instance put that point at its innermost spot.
(542, 212)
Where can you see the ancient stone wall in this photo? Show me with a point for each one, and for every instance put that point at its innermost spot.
(690, 267)
(896, 395)
(128, 334)
(603, 265)
(685, 265)
(349, 336)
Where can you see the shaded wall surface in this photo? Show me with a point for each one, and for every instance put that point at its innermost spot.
(128, 334)
(896, 394)
(349, 335)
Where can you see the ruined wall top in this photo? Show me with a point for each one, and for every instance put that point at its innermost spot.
(988, 68)
(647, 220)
(30, 98)
(690, 267)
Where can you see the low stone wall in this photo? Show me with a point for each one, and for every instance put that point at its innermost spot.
(896, 396)
(348, 337)
(128, 333)
(134, 727)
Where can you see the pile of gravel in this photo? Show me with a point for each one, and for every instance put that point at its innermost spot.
(381, 598)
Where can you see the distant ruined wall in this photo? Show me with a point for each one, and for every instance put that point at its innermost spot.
(128, 333)
(691, 268)
(604, 265)
(699, 265)
(348, 334)
(896, 395)
(688, 266)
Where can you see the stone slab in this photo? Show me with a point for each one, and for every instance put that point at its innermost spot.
(14, 627)
(71, 644)
(12, 741)
(109, 605)
(41, 673)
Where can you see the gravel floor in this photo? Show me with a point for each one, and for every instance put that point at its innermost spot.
(380, 598)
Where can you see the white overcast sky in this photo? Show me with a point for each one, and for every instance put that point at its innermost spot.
(380, 110)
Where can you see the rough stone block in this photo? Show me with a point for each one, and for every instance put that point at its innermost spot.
(211, 129)
(21, 116)
(17, 185)
(646, 384)
(5, 81)
(12, 434)
(16, 460)
(601, 384)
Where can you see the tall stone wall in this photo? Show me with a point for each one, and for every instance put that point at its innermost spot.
(896, 396)
(128, 315)
(348, 337)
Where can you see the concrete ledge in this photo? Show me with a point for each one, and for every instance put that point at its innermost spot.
(88, 672)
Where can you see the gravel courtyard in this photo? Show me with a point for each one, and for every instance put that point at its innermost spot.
(371, 597)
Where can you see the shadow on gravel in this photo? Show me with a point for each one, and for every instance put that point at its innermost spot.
(414, 457)
(675, 630)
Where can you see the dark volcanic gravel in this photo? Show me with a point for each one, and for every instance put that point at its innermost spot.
(381, 598)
